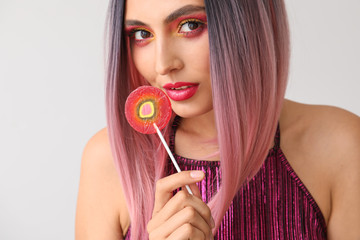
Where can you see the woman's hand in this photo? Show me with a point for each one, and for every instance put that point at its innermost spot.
(182, 216)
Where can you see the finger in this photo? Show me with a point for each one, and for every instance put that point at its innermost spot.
(176, 204)
(166, 186)
(187, 215)
(195, 189)
(187, 231)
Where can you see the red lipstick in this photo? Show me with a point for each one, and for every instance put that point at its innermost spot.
(181, 91)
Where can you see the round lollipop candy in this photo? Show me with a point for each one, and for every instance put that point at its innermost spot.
(145, 106)
(148, 109)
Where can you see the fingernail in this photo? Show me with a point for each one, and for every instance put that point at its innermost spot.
(212, 222)
(196, 174)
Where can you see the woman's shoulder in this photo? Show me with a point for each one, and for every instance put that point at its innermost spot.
(321, 128)
(323, 145)
(100, 197)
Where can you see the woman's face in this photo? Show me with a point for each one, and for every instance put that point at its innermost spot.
(170, 49)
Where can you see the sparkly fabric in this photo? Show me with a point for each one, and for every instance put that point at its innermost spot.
(275, 204)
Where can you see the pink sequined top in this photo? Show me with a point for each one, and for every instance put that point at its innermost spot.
(275, 204)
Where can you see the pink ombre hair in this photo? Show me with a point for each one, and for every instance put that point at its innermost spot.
(249, 59)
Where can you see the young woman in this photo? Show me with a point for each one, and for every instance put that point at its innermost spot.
(260, 167)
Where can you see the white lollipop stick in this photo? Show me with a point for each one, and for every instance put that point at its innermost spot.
(170, 154)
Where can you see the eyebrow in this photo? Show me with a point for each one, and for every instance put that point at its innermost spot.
(188, 9)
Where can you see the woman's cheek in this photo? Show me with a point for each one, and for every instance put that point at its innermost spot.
(197, 54)
(143, 62)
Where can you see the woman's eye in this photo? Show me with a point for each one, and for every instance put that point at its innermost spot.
(142, 35)
(189, 26)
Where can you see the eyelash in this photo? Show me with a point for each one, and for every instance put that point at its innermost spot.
(132, 33)
(192, 33)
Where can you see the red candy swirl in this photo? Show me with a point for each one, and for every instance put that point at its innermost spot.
(145, 106)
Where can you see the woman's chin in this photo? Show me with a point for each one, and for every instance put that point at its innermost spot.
(191, 112)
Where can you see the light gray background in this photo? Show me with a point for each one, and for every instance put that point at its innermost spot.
(52, 101)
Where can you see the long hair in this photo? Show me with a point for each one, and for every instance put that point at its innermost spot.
(249, 59)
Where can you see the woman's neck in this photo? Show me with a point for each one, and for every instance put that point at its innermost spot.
(196, 138)
(203, 127)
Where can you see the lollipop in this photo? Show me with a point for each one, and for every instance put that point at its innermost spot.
(148, 109)
(145, 106)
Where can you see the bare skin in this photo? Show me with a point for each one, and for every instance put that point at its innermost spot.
(320, 143)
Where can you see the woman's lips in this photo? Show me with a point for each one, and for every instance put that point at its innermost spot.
(180, 91)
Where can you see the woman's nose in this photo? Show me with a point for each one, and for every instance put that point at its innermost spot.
(167, 58)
